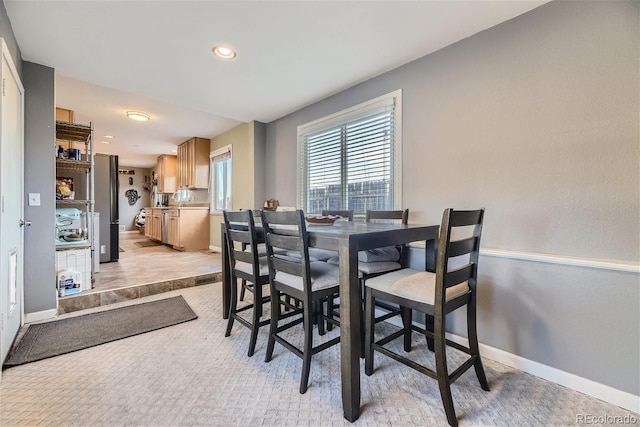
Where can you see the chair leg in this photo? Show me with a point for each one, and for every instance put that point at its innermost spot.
(234, 305)
(473, 343)
(256, 313)
(242, 289)
(406, 314)
(428, 321)
(330, 308)
(369, 303)
(273, 324)
(317, 310)
(442, 373)
(308, 345)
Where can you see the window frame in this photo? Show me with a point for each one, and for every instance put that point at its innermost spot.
(212, 178)
(343, 117)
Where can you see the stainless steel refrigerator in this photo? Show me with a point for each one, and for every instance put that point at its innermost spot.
(106, 203)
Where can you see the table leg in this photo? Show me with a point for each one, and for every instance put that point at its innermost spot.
(350, 306)
(226, 273)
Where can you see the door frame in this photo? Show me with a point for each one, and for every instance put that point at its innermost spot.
(6, 54)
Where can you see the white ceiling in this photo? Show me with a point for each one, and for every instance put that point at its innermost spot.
(155, 56)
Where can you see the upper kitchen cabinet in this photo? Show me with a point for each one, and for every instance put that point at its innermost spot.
(167, 173)
(193, 164)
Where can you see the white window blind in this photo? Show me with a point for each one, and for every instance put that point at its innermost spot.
(220, 170)
(350, 160)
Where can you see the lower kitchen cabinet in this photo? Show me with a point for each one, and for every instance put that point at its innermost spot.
(153, 225)
(188, 228)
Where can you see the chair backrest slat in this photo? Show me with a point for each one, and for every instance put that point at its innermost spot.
(290, 243)
(465, 218)
(459, 275)
(401, 215)
(291, 265)
(241, 236)
(462, 247)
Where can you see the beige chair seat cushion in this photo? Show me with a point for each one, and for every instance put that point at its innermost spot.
(323, 276)
(414, 285)
(315, 254)
(369, 267)
(389, 253)
(247, 268)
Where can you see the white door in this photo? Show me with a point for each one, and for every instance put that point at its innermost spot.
(11, 202)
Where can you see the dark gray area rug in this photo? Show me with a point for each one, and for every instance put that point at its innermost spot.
(44, 340)
(147, 243)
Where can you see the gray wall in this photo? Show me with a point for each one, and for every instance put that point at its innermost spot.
(39, 177)
(537, 120)
(6, 32)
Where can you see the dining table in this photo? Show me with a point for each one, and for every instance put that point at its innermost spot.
(347, 238)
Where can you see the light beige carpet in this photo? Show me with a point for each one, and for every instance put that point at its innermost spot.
(191, 375)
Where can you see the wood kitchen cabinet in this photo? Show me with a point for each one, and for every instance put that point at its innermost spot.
(167, 173)
(188, 229)
(154, 229)
(193, 163)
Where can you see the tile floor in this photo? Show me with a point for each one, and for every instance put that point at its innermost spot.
(143, 271)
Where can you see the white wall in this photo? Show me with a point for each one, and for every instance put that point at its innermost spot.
(537, 120)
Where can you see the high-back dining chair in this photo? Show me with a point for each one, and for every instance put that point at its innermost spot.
(308, 282)
(435, 294)
(249, 266)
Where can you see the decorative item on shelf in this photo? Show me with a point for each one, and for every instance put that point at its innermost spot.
(64, 188)
(322, 219)
(271, 204)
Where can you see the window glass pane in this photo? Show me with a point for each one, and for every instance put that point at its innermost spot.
(221, 182)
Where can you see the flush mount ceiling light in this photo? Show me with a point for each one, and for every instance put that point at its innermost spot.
(138, 116)
(224, 52)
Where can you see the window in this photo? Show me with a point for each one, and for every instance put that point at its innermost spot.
(351, 160)
(220, 162)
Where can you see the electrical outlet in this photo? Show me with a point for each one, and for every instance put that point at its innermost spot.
(103, 249)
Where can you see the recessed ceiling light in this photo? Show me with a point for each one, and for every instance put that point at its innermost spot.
(174, 151)
(108, 136)
(224, 52)
(106, 142)
(138, 116)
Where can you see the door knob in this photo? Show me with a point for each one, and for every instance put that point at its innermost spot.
(24, 223)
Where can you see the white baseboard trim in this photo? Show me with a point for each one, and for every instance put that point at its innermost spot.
(600, 391)
(40, 315)
(215, 249)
